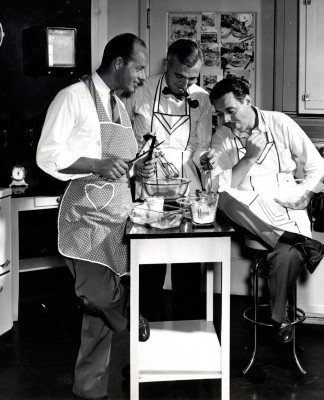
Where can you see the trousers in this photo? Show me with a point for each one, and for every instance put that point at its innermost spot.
(106, 308)
(285, 262)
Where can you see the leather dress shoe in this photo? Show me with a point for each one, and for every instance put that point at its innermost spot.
(284, 332)
(143, 329)
(312, 252)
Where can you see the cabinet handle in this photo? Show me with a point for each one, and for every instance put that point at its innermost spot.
(306, 97)
(5, 264)
(1, 289)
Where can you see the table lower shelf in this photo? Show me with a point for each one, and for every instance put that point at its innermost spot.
(180, 350)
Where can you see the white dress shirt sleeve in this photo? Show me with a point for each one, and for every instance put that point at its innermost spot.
(71, 130)
(302, 150)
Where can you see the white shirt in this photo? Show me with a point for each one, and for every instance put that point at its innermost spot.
(295, 151)
(140, 109)
(71, 129)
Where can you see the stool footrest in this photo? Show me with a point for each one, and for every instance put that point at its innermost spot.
(300, 316)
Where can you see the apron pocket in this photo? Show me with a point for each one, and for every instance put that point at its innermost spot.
(99, 194)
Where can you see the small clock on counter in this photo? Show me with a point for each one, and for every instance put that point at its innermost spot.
(18, 175)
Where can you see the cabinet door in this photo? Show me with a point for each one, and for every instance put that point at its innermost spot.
(6, 312)
(311, 61)
(264, 36)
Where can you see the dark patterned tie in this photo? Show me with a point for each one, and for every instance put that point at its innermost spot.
(114, 108)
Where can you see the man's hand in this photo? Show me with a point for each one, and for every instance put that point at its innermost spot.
(112, 168)
(145, 169)
(207, 160)
(255, 144)
(299, 204)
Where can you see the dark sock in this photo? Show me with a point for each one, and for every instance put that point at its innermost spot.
(292, 238)
(275, 323)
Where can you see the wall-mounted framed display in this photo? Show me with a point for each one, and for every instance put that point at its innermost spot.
(61, 47)
(227, 40)
(50, 51)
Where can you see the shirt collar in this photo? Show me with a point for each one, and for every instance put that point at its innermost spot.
(100, 85)
(261, 123)
(261, 128)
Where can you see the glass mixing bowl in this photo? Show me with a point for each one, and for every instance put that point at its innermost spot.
(170, 189)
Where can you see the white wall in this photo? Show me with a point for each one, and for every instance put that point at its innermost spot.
(110, 18)
(123, 16)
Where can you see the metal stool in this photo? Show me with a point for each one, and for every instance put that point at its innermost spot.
(260, 270)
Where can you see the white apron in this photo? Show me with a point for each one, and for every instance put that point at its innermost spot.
(175, 131)
(92, 220)
(266, 181)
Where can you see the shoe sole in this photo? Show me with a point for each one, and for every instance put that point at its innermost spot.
(313, 264)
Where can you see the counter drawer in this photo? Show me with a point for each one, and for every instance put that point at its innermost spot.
(47, 201)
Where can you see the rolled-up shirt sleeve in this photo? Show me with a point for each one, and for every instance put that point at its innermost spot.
(71, 130)
(306, 154)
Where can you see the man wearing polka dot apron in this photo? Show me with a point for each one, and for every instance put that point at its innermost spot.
(87, 139)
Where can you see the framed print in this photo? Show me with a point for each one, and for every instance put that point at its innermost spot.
(61, 47)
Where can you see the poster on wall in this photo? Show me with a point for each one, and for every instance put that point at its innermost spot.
(226, 39)
(237, 40)
(183, 26)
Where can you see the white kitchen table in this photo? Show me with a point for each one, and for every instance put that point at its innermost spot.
(181, 350)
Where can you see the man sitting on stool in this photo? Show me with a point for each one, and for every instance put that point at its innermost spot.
(254, 158)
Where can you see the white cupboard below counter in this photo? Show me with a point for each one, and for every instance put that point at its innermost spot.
(6, 312)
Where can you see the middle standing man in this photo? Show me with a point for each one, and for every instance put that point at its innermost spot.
(174, 108)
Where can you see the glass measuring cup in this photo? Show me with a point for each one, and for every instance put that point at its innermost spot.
(203, 208)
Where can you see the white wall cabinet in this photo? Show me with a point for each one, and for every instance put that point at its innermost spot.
(6, 311)
(311, 57)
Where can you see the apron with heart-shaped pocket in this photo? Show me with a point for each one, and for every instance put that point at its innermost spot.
(93, 210)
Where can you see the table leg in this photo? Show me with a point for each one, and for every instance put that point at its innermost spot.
(225, 335)
(209, 291)
(134, 312)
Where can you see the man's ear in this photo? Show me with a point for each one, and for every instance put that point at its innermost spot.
(248, 100)
(118, 63)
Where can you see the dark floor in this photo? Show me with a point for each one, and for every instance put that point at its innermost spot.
(37, 356)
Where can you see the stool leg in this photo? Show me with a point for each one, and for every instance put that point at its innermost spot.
(294, 304)
(256, 314)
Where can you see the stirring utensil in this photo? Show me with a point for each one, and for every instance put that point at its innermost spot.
(168, 169)
(150, 154)
(144, 154)
(208, 181)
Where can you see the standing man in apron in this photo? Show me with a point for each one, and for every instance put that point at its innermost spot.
(87, 139)
(160, 108)
(255, 158)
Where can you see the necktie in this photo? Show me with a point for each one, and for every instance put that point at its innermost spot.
(114, 108)
(167, 91)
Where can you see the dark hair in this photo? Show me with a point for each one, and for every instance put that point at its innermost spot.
(240, 88)
(187, 51)
(121, 46)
